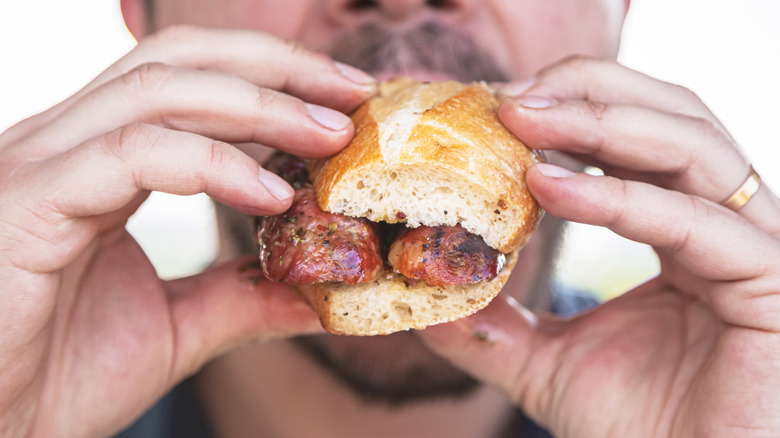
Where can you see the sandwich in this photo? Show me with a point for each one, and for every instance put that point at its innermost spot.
(418, 221)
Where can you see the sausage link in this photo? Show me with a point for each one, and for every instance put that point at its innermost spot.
(306, 245)
(444, 256)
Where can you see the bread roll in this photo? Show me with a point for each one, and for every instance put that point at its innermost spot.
(425, 154)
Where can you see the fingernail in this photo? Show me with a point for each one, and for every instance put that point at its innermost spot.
(331, 119)
(553, 171)
(276, 185)
(355, 75)
(536, 102)
(514, 89)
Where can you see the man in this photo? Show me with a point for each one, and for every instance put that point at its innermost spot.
(90, 338)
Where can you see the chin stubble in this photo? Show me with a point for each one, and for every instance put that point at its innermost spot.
(388, 379)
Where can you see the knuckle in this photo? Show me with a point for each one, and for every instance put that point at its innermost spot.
(597, 109)
(266, 97)
(148, 76)
(714, 141)
(623, 193)
(706, 128)
(124, 142)
(116, 143)
(220, 154)
(681, 237)
(713, 136)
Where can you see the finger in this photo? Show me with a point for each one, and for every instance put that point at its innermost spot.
(104, 174)
(602, 80)
(667, 220)
(207, 103)
(704, 238)
(261, 59)
(229, 305)
(692, 155)
(502, 346)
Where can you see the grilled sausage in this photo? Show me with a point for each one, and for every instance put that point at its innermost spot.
(306, 245)
(444, 256)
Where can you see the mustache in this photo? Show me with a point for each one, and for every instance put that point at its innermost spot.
(429, 46)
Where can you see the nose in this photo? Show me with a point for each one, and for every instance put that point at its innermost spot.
(356, 12)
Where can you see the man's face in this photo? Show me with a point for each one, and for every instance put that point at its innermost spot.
(492, 40)
(522, 36)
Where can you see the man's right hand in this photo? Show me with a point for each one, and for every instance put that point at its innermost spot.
(89, 335)
(693, 352)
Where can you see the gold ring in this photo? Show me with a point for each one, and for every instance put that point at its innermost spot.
(742, 195)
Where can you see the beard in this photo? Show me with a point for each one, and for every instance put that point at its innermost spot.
(427, 47)
(396, 370)
(393, 370)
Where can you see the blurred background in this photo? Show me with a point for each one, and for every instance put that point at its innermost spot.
(727, 51)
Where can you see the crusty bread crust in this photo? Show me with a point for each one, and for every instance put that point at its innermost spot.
(434, 154)
(390, 305)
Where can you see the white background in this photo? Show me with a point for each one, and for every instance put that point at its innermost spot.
(727, 51)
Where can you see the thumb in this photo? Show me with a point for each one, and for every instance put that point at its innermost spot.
(501, 346)
(228, 305)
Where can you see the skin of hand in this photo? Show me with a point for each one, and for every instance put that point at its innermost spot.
(91, 337)
(693, 352)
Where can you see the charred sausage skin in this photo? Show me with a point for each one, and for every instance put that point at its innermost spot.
(444, 256)
(306, 245)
